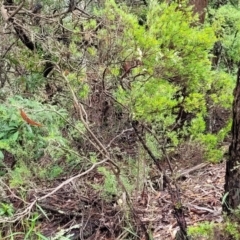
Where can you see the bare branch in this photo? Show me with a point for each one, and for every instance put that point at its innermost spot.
(28, 209)
(16, 11)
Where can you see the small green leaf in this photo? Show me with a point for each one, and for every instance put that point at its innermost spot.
(1, 155)
(14, 136)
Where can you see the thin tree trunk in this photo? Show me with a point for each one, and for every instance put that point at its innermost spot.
(199, 6)
(232, 177)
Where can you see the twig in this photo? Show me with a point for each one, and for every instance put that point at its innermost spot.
(175, 195)
(190, 170)
(27, 210)
(201, 208)
(155, 160)
(12, 193)
(16, 11)
(100, 147)
(124, 131)
(8, 49)
(83, 116)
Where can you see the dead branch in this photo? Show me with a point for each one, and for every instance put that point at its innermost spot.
(18, 216)
(83, 116)
(191, 170)
(16, 11)
(119, 135)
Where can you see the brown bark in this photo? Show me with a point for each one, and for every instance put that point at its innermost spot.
(199, 6)
(232, 177)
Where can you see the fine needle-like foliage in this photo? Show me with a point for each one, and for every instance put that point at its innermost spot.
(95, 97)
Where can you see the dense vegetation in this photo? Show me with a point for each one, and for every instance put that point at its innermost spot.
(97, 97)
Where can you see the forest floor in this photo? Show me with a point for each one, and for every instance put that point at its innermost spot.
(77, 211)
(201, 188)
(201, 192)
